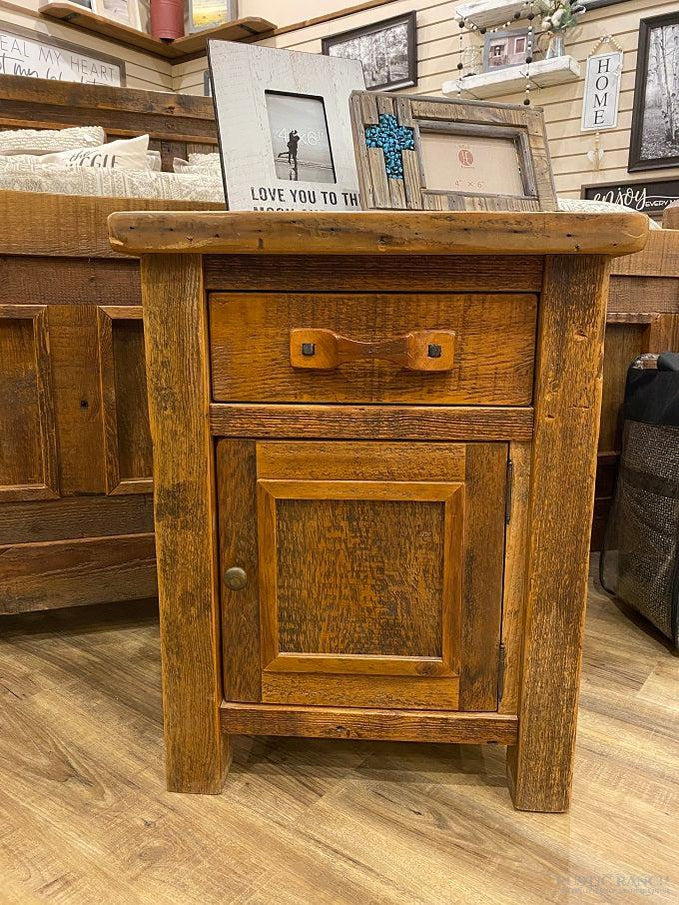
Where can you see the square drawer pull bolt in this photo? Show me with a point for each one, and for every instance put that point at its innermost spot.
(434, 350)
(308, 349)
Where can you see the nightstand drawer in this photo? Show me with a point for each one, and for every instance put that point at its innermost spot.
(461, 349)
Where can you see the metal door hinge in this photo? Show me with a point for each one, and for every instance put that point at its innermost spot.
(508, 491)
(502, 656)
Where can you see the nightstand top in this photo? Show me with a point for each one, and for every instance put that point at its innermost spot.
(378, 232)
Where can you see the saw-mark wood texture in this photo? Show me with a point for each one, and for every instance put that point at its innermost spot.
(334, 565)
(74, 431)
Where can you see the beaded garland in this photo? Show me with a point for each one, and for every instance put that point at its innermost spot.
(393, 139)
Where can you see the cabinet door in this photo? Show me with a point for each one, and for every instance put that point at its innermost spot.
(372, 572)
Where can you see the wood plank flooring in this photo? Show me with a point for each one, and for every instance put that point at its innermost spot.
(84, 818)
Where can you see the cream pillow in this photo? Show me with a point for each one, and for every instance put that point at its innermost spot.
(198, 163)
(154, 161)
(126, 154)
(44, 141)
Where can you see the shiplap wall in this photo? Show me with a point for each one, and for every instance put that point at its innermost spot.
(143, 70)
(438, 38)
(438, 41)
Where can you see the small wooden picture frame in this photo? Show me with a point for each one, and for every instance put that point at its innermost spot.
(126, 12)
(423, 153)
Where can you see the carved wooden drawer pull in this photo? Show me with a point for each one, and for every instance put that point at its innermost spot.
(420, 350)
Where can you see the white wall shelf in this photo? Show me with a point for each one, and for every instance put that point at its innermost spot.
(488, 13)
(542, 74)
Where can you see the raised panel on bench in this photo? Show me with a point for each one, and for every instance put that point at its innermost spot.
(127, 437)
(359, 589)
(28, 447)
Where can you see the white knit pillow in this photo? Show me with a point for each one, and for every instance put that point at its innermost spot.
(45, 141)
(126, 154)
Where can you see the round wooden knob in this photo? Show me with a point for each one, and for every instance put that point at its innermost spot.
(235, 578)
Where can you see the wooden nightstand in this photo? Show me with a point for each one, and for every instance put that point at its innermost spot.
(374, 455)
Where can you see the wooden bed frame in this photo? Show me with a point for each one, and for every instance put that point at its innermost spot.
(76, 518)
(643, 316)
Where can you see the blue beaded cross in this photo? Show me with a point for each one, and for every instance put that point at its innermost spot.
(393, 139)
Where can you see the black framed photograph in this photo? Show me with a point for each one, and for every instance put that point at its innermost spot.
(651, 196)
(654, 142)
(387, 51)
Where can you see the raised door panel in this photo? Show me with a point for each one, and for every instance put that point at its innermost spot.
(373, 572)
(28, 449)
(127, 435)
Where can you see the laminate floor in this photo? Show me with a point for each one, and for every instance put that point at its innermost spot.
(84, 817)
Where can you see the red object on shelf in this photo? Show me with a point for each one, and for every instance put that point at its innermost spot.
(167, 19)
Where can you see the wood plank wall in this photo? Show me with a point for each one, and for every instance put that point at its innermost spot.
(143, 70)
(438, 48)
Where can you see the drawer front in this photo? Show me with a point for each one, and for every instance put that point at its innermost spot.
(361, 574)
(458, 349)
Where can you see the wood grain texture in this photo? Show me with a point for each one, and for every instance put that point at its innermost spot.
(74, 359)
(329, 821)
(632, 294)
(28, 448)
(335, 460)
(76, 572)
(386, 273)
(393, 422)
(395, 692)
(514, 581)
(373, 614)
(127, 438)
(670, 217)
(75, 518)
(237, 525)
(41, 103)
(386, 725)
(658, 258)
(568, 407)
(43, 280)
(176, 352)
(378, 232)
(27, 222)
(484, 543)
(623, 343)
(251, 358)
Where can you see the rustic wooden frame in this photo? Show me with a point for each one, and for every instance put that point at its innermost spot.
(636, 162)
(49, 489)
(524, 126)
(115, 485)
(411, 21)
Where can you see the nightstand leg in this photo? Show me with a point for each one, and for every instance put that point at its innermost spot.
(175, 327)
(567, 411)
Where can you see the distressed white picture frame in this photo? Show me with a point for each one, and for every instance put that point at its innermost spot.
(242, 76)
(107, 9)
